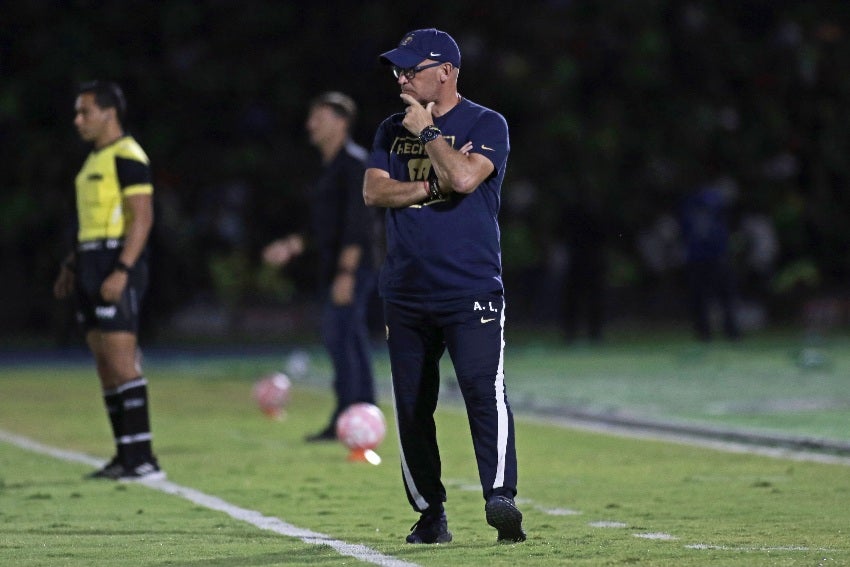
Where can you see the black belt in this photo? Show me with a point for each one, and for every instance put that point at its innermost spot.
(101, 244)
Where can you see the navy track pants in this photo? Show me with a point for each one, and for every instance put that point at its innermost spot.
(472, 329)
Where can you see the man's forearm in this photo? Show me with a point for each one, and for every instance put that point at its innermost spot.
(379, 190)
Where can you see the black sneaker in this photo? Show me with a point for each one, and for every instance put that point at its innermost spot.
(110, 471)
(431, 528)
(503, 515)
(327, 434)
(146, 471)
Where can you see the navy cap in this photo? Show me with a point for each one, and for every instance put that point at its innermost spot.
(419, 45)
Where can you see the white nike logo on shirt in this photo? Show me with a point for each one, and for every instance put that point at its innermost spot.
(483, 320)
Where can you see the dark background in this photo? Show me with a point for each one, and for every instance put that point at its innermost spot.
(623, 106)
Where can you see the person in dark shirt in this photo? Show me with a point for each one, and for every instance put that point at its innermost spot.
(705, 230)
(438, 168)
(341, 235)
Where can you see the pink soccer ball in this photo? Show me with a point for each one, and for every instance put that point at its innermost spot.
(272, 393)
(361, 426)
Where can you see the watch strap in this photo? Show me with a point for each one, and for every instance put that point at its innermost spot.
(122, 267)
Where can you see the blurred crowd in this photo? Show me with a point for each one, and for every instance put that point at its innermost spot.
(617, 110)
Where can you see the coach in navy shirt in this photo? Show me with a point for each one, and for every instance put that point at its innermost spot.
(437, 168)
(341, 235)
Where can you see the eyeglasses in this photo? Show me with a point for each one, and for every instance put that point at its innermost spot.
(411, 72)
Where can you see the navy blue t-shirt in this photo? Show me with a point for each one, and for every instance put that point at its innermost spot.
(704, 226)
(450, 248)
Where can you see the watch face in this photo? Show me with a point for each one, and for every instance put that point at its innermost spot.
(429, 134)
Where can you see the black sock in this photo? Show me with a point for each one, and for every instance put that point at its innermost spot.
(112, 401)
(135, 424)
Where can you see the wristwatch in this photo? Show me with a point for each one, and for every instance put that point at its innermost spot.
(122, 267)
(429, 134)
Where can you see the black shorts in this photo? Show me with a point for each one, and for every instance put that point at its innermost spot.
(93, 266)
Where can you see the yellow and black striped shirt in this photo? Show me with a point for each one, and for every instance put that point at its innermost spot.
(109, 174)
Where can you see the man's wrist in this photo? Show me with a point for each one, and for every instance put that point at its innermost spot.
(429, 134)
(122, 267)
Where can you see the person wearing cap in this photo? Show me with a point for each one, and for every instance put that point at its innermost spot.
(340, 233)
(437, 167)
(107, 272)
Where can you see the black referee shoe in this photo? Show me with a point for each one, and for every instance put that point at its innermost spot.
(326, 434)
(431, 528)
(145, 471)
(503, 515)
(111, 470)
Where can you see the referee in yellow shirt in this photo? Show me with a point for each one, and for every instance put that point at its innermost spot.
(108, 273)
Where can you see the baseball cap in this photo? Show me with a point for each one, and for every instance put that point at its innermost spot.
(418, 45)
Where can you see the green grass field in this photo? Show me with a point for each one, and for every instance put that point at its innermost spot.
(588, 498)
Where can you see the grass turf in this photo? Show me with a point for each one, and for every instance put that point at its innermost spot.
(586, 497)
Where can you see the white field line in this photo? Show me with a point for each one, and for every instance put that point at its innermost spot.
(660, 536)
(607, 524)
(692, 440)
(360, 552)
(750, 549)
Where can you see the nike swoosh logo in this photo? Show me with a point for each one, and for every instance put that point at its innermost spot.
(435, 54)
(483, 320)
(483, 147)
